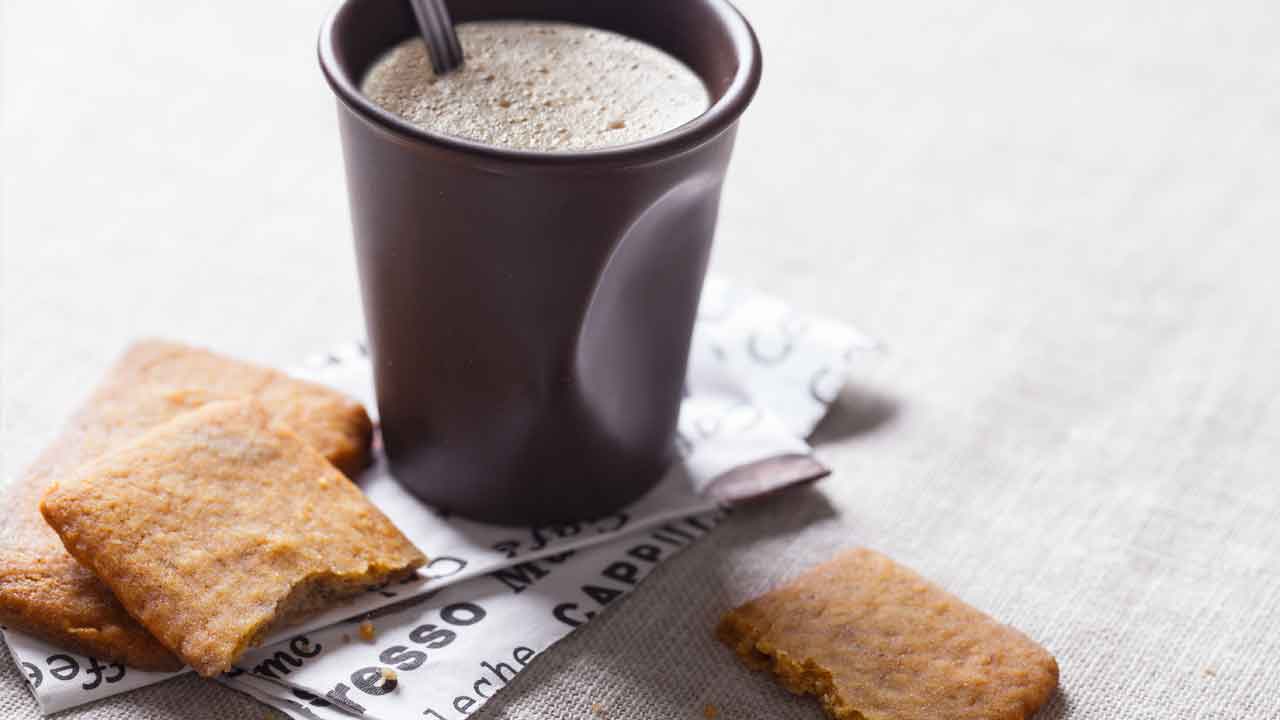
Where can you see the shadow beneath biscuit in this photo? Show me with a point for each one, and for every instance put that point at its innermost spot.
(1058, 707)
(856, 411)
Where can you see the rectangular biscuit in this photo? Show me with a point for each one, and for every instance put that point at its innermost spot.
(43, 590)
(329, 421)
(875, 641)
(216, 526)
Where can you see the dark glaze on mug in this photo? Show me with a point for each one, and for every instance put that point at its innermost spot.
(529, 313)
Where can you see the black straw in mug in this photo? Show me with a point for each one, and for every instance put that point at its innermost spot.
(437, 30)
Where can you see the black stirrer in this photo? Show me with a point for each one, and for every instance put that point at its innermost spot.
(437, 30)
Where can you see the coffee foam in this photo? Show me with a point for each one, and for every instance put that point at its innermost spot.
(540, 86)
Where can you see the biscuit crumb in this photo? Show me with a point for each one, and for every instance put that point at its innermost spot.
(597, 709)
(710, 712)
(367, 631)
(1210, 672)
(388, 674)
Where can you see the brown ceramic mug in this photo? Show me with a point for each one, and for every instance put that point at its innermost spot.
(529, 313)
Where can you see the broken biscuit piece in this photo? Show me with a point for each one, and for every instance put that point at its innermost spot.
(875, 641)
(220, 525)
(335, 425)
(43, 590)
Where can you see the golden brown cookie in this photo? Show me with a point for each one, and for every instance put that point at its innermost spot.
(332, 423)
(875, 641)
(46, 593)
(220, 524)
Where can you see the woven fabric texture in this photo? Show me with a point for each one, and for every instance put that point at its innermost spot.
(1060, 217)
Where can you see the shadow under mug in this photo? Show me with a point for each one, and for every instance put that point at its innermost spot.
(529, 313)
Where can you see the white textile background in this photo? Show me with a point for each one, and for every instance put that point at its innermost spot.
(1061, 218)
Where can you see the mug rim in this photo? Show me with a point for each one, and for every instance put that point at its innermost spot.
(714, 120)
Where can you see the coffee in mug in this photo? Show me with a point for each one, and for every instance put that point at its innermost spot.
(534, 85)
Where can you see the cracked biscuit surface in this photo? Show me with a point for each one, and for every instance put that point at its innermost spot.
(43, 591)
(220, 524)
(875, 641)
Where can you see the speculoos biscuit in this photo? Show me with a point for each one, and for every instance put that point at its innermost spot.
(220, 525)
(43, 590)
(875, 641)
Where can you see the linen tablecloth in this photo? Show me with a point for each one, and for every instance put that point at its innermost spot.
(1060, 217)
